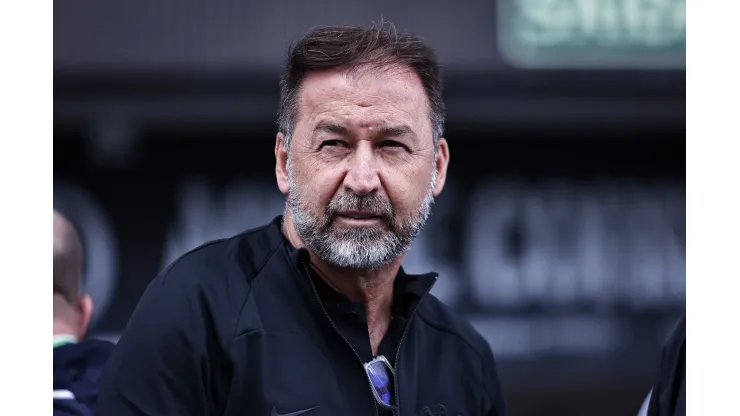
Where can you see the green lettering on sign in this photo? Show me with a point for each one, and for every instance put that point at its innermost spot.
(640, 34)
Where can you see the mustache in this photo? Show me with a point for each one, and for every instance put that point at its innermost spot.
(372, 203)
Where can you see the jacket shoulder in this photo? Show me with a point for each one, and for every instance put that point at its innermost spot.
(216, 277)
(78, 369)
(480, 360)
(246, 252)
(441, 317)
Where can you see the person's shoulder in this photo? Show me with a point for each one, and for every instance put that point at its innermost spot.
(668, 394)
(678, 334)
(215, 277)
(674, 346)
(480, 357)
(77, 370)
(674, 351)
(88, 352)
(213, 262)
(97, 350)
(443, 318)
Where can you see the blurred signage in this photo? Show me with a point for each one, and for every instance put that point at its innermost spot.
(560, 245)
(599, 34)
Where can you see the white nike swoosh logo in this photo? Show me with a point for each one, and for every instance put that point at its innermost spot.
(63, 395)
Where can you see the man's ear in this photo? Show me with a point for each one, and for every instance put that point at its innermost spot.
(281, 164)
(85, 305)
(440, 164)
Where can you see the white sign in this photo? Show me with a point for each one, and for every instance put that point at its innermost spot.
(593, 33)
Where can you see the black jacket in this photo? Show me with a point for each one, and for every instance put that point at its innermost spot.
(77, 371)
(669, 392)
(235, 327)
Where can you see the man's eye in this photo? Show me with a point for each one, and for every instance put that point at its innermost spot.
(391, 143)
(332, 143)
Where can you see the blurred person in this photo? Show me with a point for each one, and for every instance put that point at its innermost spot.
(78, 363)
(668, 396)
(312, 313)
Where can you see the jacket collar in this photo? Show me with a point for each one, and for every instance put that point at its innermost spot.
(416, 284)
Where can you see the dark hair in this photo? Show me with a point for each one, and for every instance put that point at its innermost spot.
(356, 47)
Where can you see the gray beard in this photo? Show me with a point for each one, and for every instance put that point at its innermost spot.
(357, 247)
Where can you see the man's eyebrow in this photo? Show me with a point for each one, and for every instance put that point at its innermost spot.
(399, 130)
(331, 127)
(396, 131)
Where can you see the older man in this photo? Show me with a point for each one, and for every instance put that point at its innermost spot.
(313, 314)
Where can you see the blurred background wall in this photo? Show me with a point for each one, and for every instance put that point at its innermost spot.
(561, 234)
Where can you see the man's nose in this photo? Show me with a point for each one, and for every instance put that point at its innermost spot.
(362, 176)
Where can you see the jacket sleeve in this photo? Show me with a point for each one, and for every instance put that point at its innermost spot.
(165, 360)
(666, 397)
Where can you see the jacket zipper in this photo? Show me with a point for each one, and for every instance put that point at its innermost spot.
(396, 384)
(372, 394)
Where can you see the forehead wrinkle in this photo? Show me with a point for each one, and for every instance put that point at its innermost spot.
(393, 92)
(351, 103)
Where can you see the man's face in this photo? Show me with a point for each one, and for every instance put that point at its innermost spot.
(361, 172)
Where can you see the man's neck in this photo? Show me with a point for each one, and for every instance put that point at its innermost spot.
(63, 333)
(62, 328)
(64, 318)
(372, 287)
(369, 286)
